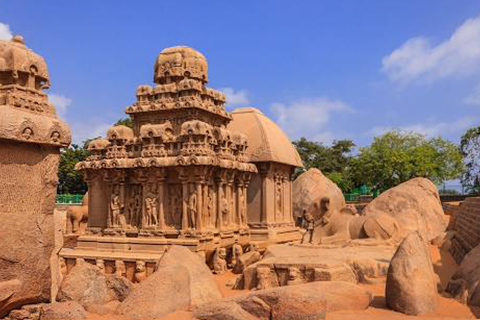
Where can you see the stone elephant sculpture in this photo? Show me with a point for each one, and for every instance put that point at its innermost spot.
(77, 216)
(337, 226)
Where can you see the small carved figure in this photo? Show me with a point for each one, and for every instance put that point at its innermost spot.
(308, 222)
(294, 276)
(55, 137)
(278, 198)
(116, 206)
(225, 211)
(62, 266)
(140, 271)
(120, 268)
(219, 261)
(192, 209)
(100, 264)
(151, 209)
(242, 208)
(264, 278)
(27, 133)
(237, 251)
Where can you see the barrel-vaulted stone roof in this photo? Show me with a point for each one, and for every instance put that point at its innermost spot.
(266, 141)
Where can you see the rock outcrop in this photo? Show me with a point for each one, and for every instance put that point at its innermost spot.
(309, 188)
(304, 301)
(203, 288)
(465, 282)
(165, 291)
(411, 282)
(415, 205)
(69, 310)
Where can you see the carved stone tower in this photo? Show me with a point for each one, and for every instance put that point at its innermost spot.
(31, 136)
(177, 177)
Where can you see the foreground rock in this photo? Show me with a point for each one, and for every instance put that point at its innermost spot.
(415, 205)
(182, 280)
(357, 262)
(165, 291)
(69, 310)
(465, 283)
(203, 288)
(305, 301)
(85, 284)
(309, 188)
(411, 282)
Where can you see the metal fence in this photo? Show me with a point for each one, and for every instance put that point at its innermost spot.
(69, 198)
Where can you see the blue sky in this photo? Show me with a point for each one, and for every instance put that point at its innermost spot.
(321, 69)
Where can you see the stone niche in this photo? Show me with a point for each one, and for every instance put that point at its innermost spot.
(31, 136)
(270, 215)
(179, 176)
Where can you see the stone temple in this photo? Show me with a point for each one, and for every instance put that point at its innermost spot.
(182, 174)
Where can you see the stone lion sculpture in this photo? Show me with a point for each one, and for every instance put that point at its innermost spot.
(77, 216)
(337, 226)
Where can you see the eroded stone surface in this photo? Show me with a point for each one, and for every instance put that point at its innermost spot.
(411, 281)
(70, 310)
(356, 262)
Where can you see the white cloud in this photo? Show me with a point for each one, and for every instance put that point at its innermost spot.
(236, 98)
(5, 33)
(82, 131)
(474, 97)
(430, 130)
(417, 58)
(60, 102)
(308, 117)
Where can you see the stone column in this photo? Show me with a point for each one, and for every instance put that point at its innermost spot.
(184, 204)
(219, 204)
(161, 202)
(198, 218)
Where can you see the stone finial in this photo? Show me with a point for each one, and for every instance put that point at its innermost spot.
(180, 62)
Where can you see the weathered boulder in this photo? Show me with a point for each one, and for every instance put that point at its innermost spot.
(70, 310)
(465, 282)
(415, 205)
(304, 301)
(86, 284)
(309, 188)
(203, 288)
(165, 291)
(245, 260)
(102, 309)
(222, 310)
(411, 282)
(119, 287)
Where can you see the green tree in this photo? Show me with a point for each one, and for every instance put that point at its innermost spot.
(396, 157)
(70, 180)
(333, 161)
(470, 148)
(125, 122)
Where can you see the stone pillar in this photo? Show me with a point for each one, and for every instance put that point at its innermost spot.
(199, 217)
(161, 203)
(219, 204)
(184, 204)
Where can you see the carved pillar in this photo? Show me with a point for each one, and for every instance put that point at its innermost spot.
(219, 204)
(184, 204)
(198, 218)
(161, 201)
(229, 203)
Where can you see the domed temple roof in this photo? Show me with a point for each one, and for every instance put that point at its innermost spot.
(180, 62)
(266, 141)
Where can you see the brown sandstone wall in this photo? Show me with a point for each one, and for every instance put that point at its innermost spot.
(467, 228)
(28, 178)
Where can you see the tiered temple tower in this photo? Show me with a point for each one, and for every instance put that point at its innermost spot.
(177, 177)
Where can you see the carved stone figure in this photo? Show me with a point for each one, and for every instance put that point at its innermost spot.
(62, 266)
(77, 216)
(225, 211)
(237, 251)
(309, 224)
(120, 269)
(116, 207)
(264, 278)
(278, 198)
(345, 225)
(151, 207)
(219, 261)
(192, 209)
(294, 276)
(100, 264)
(140, 271)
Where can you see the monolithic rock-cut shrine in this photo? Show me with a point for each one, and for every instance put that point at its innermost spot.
(31, 136)
(181, 175)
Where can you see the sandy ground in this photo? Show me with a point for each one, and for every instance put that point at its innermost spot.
(448, 308)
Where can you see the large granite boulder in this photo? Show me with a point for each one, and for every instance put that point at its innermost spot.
(165, 291)
(309, 188)
(411, 281)
(415, 205)
(86, 284)
(465, 282)
(303, 301)
(203, 288)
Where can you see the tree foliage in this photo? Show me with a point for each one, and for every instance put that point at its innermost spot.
(70, 180)
(470, 149)
(333, 161)
(396, 157)
(125, 122)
